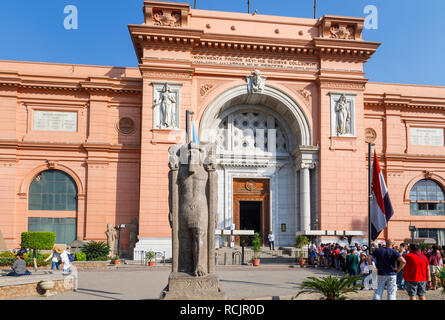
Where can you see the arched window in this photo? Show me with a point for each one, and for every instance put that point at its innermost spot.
(427, 199)
(53, 190)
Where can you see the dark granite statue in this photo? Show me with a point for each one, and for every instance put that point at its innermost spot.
(192, 216)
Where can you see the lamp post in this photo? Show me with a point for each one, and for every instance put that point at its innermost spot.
(119, 228)
(412, 229)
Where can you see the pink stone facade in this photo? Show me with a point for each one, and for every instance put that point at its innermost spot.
(123, 175)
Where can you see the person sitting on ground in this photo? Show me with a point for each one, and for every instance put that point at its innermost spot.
(19, 267)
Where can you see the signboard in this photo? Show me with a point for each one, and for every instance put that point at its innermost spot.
(55, 121)
(426, 136)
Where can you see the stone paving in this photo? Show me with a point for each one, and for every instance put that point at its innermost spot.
(132, 282)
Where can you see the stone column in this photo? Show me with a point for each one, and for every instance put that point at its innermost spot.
(305, 196)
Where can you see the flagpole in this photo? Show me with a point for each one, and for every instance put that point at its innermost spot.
(187, 137)
(369, 196)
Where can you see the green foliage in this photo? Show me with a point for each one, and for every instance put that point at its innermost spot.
(150, 255)
(7, 254)
(301, 241)
(38, 240)
(96, 251)
(80, 256)
(256, 244)
(441, 276)
(331, 288)
(423, 246)
(8, 261)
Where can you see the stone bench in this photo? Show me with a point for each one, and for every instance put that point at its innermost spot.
(42, 283)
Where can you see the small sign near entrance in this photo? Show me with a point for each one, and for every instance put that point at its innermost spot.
(283, 227)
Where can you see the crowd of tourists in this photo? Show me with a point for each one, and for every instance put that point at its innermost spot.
(388, 266)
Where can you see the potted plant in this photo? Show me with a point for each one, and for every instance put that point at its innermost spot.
(256, 246)
(150, 255)
(301, 259)
(115, 260)
(301, 241)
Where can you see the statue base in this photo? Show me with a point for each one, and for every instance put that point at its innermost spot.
(183, 286)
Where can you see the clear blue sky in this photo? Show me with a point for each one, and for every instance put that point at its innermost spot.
(412, 32)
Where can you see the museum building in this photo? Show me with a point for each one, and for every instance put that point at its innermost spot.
(285, 101)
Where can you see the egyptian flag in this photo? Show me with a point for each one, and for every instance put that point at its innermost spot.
(381, 208)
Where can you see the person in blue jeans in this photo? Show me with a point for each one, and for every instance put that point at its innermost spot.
(55, 255)
(400, 279)
(386, 259)
(19, 267)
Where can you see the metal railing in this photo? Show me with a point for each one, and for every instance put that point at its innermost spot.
(141, 256)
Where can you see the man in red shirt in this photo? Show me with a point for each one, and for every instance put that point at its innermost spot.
(416, 272)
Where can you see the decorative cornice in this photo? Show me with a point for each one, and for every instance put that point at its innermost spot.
(131, 86)
(341, 83)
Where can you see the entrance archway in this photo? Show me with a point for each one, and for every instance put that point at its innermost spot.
(262, 136)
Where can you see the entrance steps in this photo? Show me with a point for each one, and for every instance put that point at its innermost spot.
(229, 256)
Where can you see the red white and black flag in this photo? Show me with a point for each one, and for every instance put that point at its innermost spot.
(381, 208)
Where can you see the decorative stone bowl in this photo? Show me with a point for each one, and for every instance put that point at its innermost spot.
(46, 285)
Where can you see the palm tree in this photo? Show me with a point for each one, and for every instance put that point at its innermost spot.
(331, 288)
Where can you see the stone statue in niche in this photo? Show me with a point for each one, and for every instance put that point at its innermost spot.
(255, 82)
(343, 116)
(167, 103)
(111, 239)
(192, 217)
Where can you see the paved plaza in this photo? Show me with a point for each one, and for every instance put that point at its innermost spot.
(279, 282)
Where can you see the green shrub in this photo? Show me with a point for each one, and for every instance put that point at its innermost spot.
(6, 261)
(101, 259)
(96, 250)
(256, 244)
(80, 256)
(301, 241)
(7, 254)
(38, 240)
(40, 262)
(150, 255)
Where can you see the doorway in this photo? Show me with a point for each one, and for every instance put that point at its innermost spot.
(250, 215)
(251, 206)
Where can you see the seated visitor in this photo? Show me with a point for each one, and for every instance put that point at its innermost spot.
(19, 267)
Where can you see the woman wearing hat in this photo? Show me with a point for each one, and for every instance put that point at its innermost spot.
(55, 255)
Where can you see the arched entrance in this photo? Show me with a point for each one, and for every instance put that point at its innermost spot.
(52, 205)
(262, 139)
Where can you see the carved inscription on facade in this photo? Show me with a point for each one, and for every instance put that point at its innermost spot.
(55, 121)
(249, 62)
(426, 136)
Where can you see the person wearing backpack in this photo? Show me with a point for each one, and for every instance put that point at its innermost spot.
(416, 273)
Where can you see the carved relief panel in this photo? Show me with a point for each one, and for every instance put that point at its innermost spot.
(343, 114)
(166, 105)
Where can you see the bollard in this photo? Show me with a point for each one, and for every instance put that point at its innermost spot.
(242, 253)
(225, 258)
(216, 258)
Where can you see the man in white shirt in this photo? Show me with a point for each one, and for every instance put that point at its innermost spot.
(271, 240)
